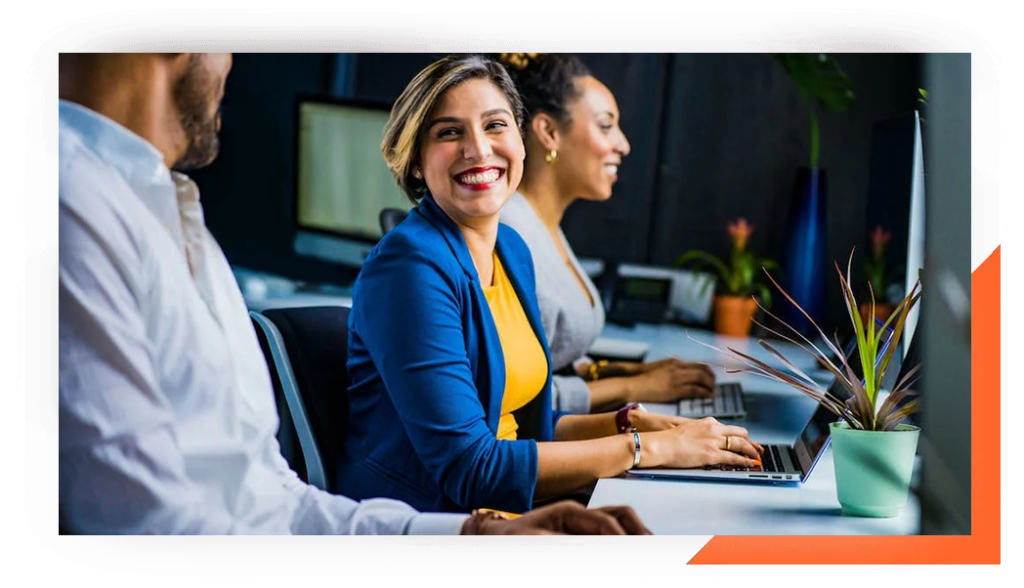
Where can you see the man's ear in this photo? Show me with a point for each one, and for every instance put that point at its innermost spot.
(545, 128)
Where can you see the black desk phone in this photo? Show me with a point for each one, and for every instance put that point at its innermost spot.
(634, 299)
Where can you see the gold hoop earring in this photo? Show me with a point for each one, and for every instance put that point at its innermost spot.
(551, 156)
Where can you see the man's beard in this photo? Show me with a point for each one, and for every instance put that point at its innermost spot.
(192, 95)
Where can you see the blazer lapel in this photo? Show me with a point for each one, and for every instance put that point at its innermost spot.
(433, 213)
(490, 355)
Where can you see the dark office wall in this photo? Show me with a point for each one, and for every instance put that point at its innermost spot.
(381, 77)
(714, 136)
(730, 132)
(247, 191)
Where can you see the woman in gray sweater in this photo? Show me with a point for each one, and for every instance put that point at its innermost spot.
(573, 150)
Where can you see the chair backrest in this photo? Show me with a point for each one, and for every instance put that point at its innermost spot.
(389, 217)
(287, 437)
(309, 350)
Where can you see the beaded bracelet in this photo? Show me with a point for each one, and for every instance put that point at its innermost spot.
(592, 372)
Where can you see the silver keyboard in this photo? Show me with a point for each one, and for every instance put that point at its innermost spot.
(727, 403)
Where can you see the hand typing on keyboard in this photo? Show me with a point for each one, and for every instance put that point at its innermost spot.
(671, 379)
(700, 443)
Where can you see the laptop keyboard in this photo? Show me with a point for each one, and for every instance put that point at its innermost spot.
(771, 461)
(728, 401)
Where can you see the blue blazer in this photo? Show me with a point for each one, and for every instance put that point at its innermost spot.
(428, 375)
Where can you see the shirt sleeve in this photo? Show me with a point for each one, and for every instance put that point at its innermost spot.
(407, 315)
(570, 394)
(319, 512)
(121, 468)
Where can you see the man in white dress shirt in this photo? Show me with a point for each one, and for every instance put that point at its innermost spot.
(167, 415)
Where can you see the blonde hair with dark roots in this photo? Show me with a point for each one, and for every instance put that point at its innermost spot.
(406, 125)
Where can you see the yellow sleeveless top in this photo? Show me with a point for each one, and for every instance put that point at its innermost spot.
(526, 368)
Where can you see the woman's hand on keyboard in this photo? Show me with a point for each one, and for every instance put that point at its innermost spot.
(699, 443)
(671, 379)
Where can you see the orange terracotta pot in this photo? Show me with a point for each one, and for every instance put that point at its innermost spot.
(734, 315)
(882, 311)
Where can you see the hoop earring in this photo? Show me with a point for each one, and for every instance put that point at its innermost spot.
(551, 156)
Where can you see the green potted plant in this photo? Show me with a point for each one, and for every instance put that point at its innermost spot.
(873, 449)
(734, 305)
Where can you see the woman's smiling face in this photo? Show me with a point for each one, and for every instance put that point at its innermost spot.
(593, 145)
(471, 155)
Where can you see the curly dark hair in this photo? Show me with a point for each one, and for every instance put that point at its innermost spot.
(546, 82)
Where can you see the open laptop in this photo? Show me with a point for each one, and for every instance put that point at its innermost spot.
(781, 464)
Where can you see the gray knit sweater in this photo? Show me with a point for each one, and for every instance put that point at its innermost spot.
(570, 321)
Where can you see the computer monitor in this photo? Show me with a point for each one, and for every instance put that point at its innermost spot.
(897, 196)
(915, 231)
(341, 180)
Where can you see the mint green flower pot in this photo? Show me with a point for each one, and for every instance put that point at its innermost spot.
(873, 468)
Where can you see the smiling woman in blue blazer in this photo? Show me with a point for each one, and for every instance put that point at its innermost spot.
(450, 400)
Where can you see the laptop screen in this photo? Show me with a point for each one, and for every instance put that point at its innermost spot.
(815, 435)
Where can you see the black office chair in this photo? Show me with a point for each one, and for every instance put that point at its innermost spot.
(306, 349)
(389, 217)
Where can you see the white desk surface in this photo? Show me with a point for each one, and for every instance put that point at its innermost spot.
(775, 414)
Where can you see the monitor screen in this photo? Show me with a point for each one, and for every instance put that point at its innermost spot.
(915, 231)
(897, 197)
(342, 182)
